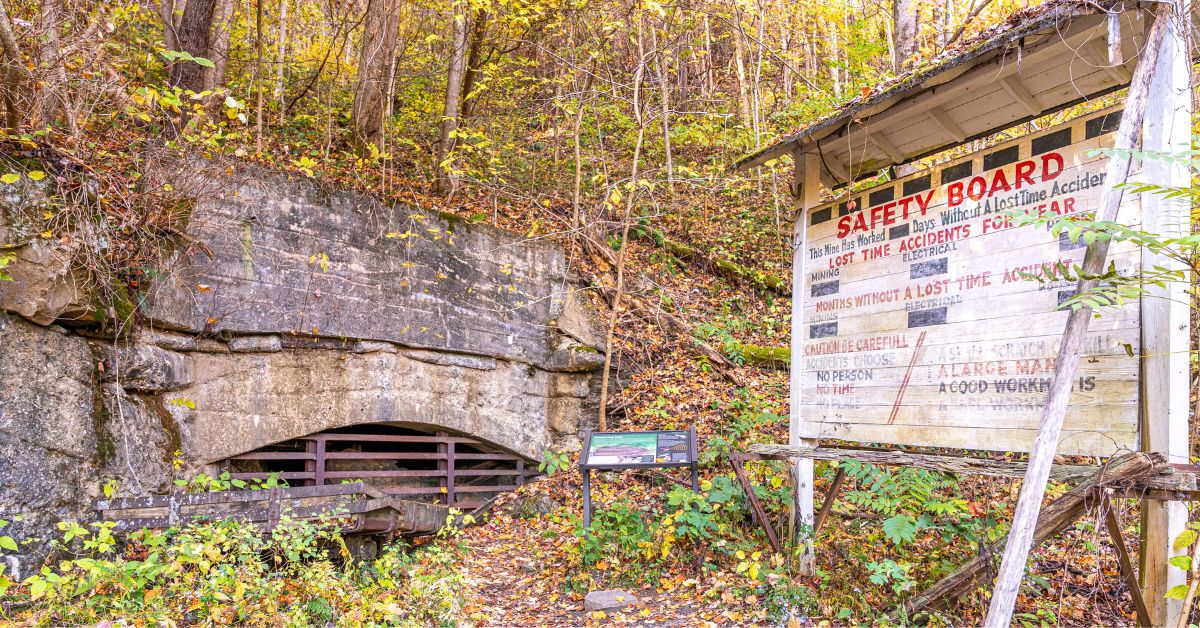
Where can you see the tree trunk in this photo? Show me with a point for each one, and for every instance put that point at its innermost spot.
(454, 84)
(193, 36)
(709, 82)
(374, 62)
(258, 74)
(785, 40)
(619, 292)
(166, 12)
(756, 83)
(14, 75)
(834, 71)
(665, 92)
(282, 54)
(478, 35)
(904, 33)
(218, 47)
(576, 220)
(739, 53)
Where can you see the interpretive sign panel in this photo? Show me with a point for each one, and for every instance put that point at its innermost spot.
(636, 450)
(627, 450)
(921, 323)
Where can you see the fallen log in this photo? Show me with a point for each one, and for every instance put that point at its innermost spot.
(731, 270)
(759, 355)
(602, 255)
(1052, 519)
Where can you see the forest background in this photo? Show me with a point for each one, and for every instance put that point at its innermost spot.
(607, 126)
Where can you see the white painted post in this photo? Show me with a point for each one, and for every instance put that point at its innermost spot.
(1165, 316)
(807, 169)
(1041, 455)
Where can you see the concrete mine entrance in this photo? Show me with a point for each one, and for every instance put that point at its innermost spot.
(435, 466)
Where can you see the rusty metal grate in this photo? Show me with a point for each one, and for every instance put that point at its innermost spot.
(459, 471)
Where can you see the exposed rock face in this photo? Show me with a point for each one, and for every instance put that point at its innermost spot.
(146, 368)
(48, 445)
(308, 317)
(62, 433)
(44, 288)
(340, 310)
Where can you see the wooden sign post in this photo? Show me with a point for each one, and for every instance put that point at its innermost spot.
(808, 194)
(1041, 457)
(1166, 327)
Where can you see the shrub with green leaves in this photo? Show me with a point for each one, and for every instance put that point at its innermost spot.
(229, 572)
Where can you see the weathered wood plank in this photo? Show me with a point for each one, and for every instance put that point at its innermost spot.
(1033, 488)
(217, 497)
(1166, 315)
(933, 462)
(1127, 572)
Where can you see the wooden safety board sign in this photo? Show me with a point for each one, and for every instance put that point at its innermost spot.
(921, 326)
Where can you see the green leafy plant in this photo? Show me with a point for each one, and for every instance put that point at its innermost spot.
(1188, 540)
(8, 544)
(749, 415)
(553, 462)
(6, 258)
(204, 483)
(176, 56)
(891, 573)
(910, 500)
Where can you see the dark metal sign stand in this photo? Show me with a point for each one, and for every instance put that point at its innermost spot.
(635, 450)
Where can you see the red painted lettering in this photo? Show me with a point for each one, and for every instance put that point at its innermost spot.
(954, 194)
(976, 194)
(999, 183)
(1051, 159)
(1025, 173)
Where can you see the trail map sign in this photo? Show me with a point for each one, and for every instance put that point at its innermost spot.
(921, 325)
(636, 450)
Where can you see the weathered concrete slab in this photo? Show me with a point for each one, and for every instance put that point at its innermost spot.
(62, 436)
(247, 400)
(145, 368)
(290, 257)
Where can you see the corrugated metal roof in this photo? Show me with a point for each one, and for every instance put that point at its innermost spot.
(1038, 61)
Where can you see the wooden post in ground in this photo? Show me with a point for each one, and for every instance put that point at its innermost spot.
(1041, 457)
(807, 168)
(1165, 322)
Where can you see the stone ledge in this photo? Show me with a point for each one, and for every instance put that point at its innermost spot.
(255, 344)
(450, 359)
(145, 368)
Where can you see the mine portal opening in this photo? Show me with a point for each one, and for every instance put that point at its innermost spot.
(440, 467)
